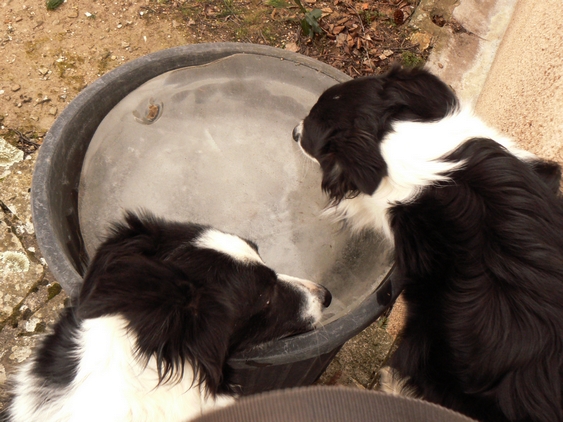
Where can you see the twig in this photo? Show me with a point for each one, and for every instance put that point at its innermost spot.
(363, 28)
(24, 139)
(394, 49)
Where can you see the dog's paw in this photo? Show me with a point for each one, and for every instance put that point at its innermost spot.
(390, 382)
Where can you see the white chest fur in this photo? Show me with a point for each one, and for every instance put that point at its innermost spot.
(112, 385)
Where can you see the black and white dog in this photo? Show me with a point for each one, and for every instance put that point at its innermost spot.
(477, 226)
(162, 307)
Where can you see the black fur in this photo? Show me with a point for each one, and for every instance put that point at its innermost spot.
(481, 255)
(57, 361)
(484, 274)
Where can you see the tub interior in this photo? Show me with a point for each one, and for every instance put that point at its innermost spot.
(212, 144)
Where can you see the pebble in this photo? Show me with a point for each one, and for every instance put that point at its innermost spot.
(8, 156)
(291, 46)
(3, 376)
(31, 324)
(20, 354)
(53, 111)
(423, 40)
(15, 88)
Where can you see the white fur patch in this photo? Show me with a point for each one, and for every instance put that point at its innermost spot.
(228, 244)
(314, 308)
(111, 385)
(412, 152)
(391, 383)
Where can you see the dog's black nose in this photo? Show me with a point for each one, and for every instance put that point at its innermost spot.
(297, 132)
(326, 297)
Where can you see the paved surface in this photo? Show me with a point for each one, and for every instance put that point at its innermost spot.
(523, 93)
(515, 78)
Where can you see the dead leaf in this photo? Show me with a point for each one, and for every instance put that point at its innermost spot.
(338, 29)
(291, 46)
(422, 39)
(351, 41)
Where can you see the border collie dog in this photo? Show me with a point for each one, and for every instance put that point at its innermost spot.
(477, 227)
(162, 307)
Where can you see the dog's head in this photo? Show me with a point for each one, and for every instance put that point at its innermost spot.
(344, 129)
(193, 294)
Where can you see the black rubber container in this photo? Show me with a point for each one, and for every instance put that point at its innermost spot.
(290, 362)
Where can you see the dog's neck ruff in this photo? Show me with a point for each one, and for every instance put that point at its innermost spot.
(413, 153)
(112, 384)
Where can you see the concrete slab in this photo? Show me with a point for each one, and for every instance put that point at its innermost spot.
(523, 92)
(464, 55)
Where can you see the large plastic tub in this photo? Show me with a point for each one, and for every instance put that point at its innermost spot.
(203, 133)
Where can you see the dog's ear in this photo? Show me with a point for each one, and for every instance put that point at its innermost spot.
(352, 164)
(170, 314)
(417, 94)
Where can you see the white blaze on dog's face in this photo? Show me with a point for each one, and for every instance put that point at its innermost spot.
(229, 245)
(315, 294)
(313, 297)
